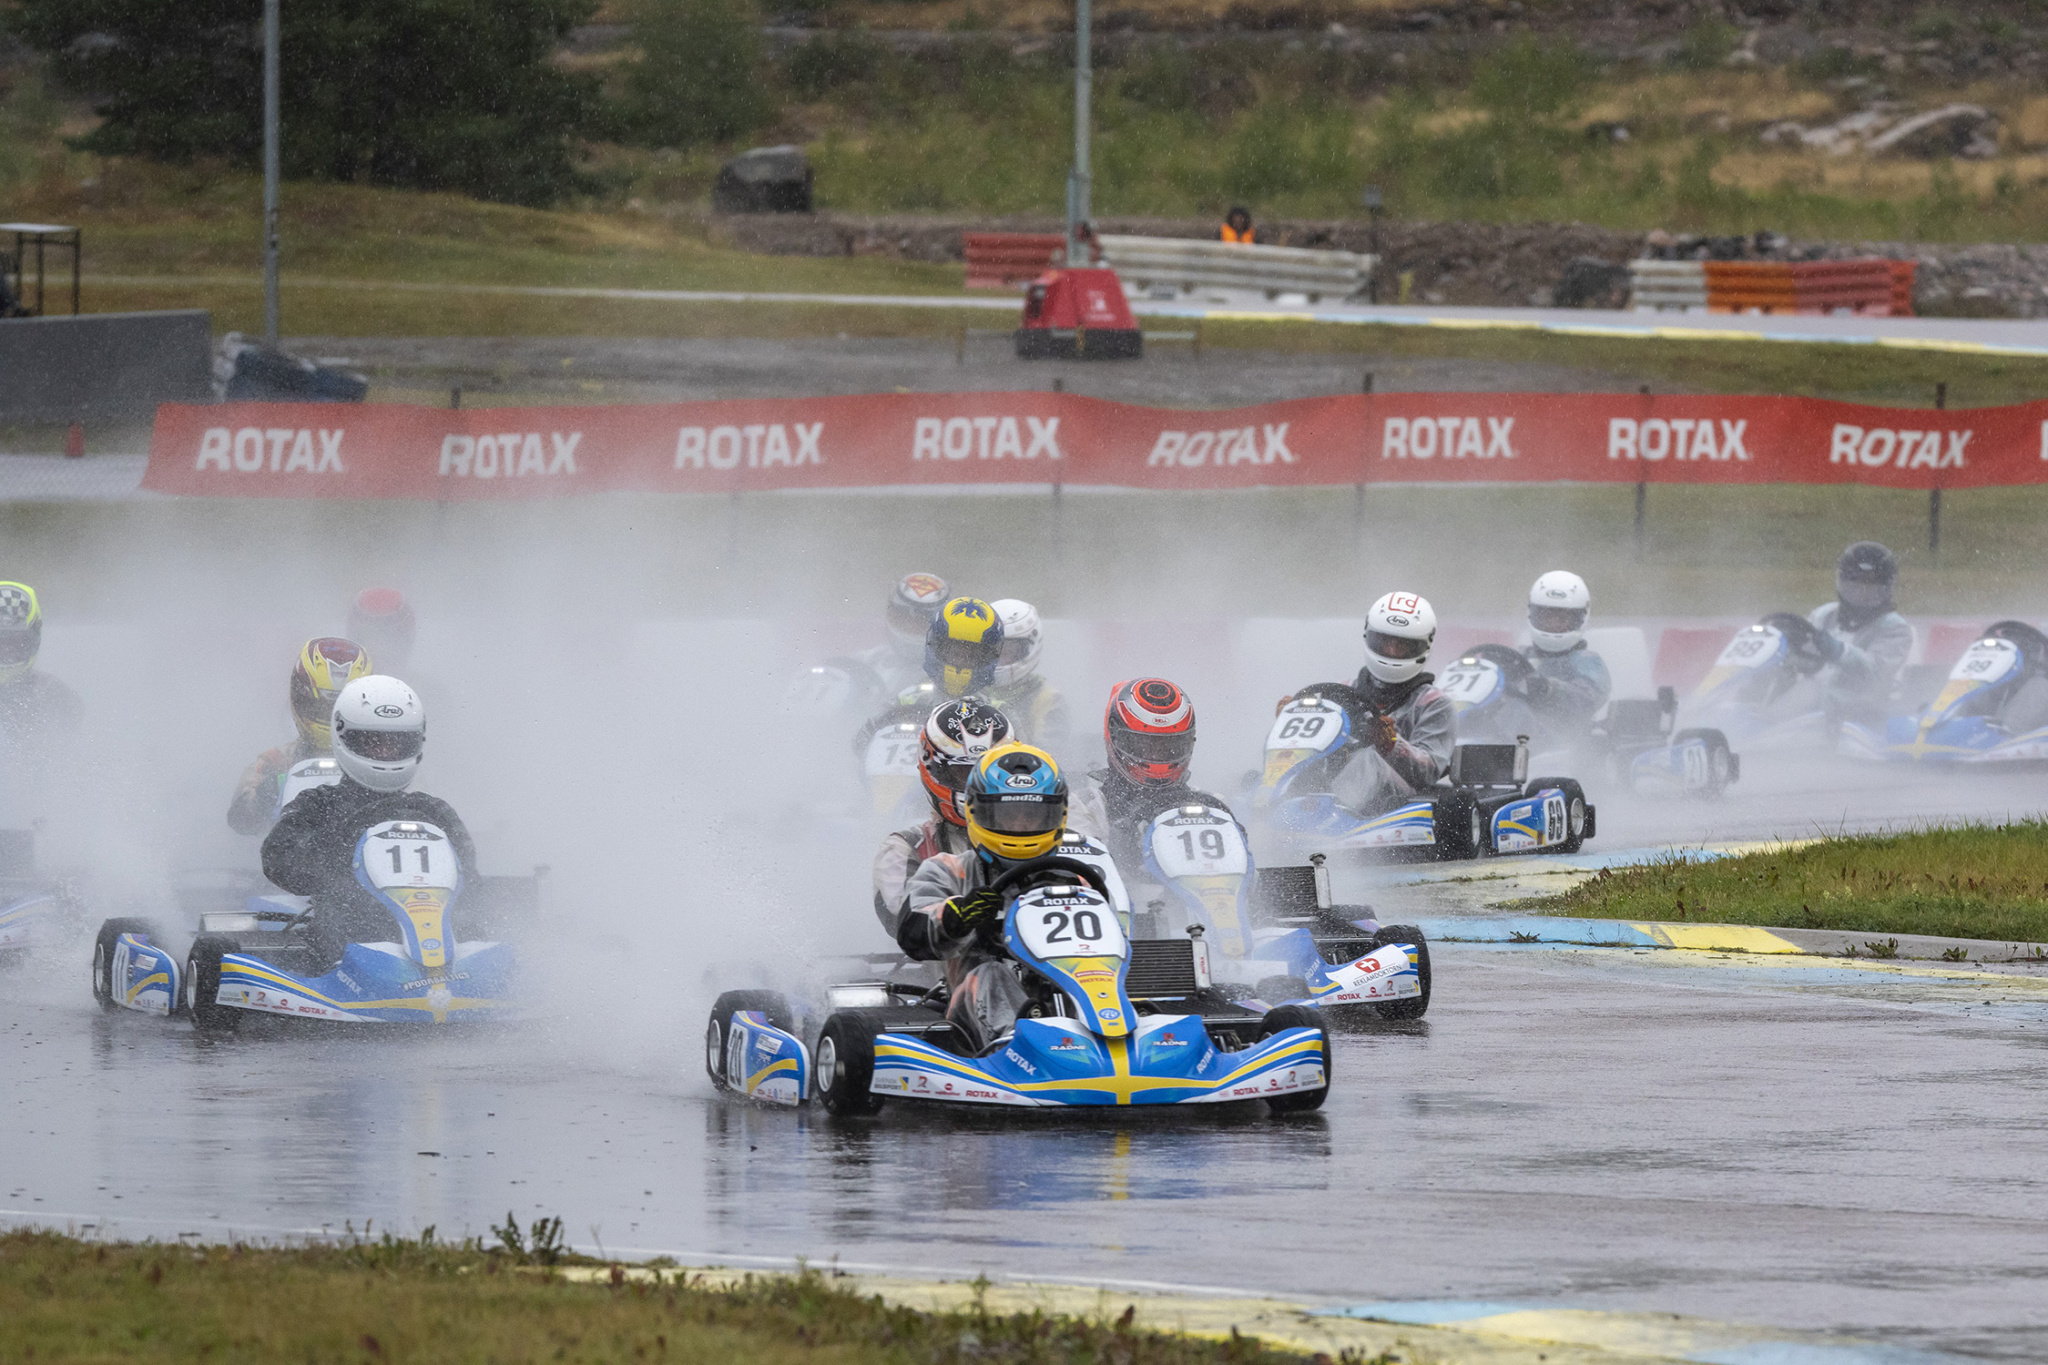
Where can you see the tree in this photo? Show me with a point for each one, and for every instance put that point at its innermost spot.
(699, 75)
(427, 94)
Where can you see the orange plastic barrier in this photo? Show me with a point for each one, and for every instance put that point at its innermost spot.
(1005, 260)
(1751, 286)
(1871, 287)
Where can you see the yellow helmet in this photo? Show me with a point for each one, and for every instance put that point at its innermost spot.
(21, 630)
(962, 646)
(326, 665)
(1016, 803)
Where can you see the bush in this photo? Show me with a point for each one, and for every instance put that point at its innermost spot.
(699, 77)
(424, 94)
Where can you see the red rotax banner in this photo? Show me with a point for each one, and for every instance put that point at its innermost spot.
(909, 440)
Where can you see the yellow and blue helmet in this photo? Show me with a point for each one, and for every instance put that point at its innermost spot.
(963, 646)
(1016, 803)
(326, 665)
(21, 630)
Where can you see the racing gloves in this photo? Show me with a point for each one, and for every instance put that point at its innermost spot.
(1828, 645)
(966, 913)
(1381, 734)
(1536, 687)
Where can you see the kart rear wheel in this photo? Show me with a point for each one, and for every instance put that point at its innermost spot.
(771, 1003)
(1574, 811)
(1415, 1006)
(1720, 766)
(202, 985)
(1299, 1016)
(1460, 828)
(103, 958)
(845, 1064)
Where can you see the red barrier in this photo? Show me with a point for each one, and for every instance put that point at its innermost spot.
(910, 440)
(1004, 260)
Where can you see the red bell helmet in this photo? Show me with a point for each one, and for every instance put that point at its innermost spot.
(1149, 731)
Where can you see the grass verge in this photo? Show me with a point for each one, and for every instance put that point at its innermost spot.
(396, 1299)
(1963, 881)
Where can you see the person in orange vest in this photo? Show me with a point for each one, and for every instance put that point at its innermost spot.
(1237, 226)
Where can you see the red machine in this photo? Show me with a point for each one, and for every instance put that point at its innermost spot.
(1078, 315)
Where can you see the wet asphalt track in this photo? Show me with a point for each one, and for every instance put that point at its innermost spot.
(1598, 1129)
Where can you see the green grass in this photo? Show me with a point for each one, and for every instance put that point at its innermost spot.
(1965, 881)
(66, 1300)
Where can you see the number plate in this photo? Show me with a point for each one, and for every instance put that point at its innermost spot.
(1468, 684)
(893, 752)
(402, 854)
(1310, 724)
(1751, 648)
(1986, 662)
(1204, 843)
(1069, 921)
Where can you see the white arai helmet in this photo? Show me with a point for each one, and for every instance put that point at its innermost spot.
(380, 731)
(1023, 638)
(1398, 632)
(1558, 603)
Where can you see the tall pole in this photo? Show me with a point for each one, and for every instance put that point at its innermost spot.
(270, 116)
(1078, 210)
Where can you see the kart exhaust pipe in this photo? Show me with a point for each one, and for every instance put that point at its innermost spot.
(1322, 875)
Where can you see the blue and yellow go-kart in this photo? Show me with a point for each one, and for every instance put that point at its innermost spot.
(265, 960)
(1972, 719)
(1107, 1023)
(1485, 806)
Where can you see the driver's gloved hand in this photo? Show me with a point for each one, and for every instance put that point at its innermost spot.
(1381, 734)
(963, 914)
(1828, 645)
(1536, 687)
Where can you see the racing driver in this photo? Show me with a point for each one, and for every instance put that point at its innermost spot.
(954, 739)
(1148, 732)
(1404, 727)
(39, 714)
(380, 734)
(1860, 636)
(1016, 803)
(1035, 707)
(1570, 683)
(325, 666)
(898, 661)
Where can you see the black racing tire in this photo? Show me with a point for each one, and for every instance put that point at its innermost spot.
(771, 1003)
(1415, 1006)
(1721, 765)
(1575, 808)
(1460, 828)
(844, 1066)
(202, 984)
(1299, 1016)
(103, 957)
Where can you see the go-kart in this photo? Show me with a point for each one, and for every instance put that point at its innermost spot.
(1273, 932)
(1749, 694)
(32, 906)
(265, 959)
(1485, 805)
(1108, 1022)
(1634, 738)
(1968, 721)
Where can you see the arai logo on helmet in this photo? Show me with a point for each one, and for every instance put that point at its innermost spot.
(1399, 621)
(389, 712)
(1021, 780)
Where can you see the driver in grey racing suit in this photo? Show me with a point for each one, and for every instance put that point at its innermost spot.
(1860, 636)
(1405, 727)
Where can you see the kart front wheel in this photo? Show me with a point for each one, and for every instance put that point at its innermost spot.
(202, 985)
(1279, 1020)
(1575, 808)
(103, 957)
(845, 1064)
(773, 1004)
(1461, 828)
(1716, 766)
(1414, 1006)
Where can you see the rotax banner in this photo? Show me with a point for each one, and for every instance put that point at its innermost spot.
(286, 450)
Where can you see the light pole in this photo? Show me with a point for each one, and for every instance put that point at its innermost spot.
(1078, 210)
(270, 100)
(1373, 202)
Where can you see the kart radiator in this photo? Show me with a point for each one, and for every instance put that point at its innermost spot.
(1162, 969)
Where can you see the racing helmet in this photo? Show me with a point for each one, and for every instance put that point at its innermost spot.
(1016, 804)
(916, 600)
(381, 621)
(1864, 577)
(1558, 603)
(326, 665)
(21, 631)
(1023, 638)
(2031, 643)
(961, 646)
(955, 738)
(1149, 731)
(380, 732)
(1398, 632)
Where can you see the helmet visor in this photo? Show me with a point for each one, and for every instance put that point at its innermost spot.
(963, 653)
(1137, 748)
(1862, 595)
(19, 646)
(950, 773)
(1395, 646)
(1016, 649)
(1557, 620)
(1020, 812)
(385, 746)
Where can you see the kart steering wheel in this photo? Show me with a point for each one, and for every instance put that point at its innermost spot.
(1509, 660)
(1799, 638)
(1052, 862)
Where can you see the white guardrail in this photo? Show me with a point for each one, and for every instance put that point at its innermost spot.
(1660, 286)
(1174, 267)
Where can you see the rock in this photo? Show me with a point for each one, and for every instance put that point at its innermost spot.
(1964, 130)
(764, 180)
(1589, 282)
